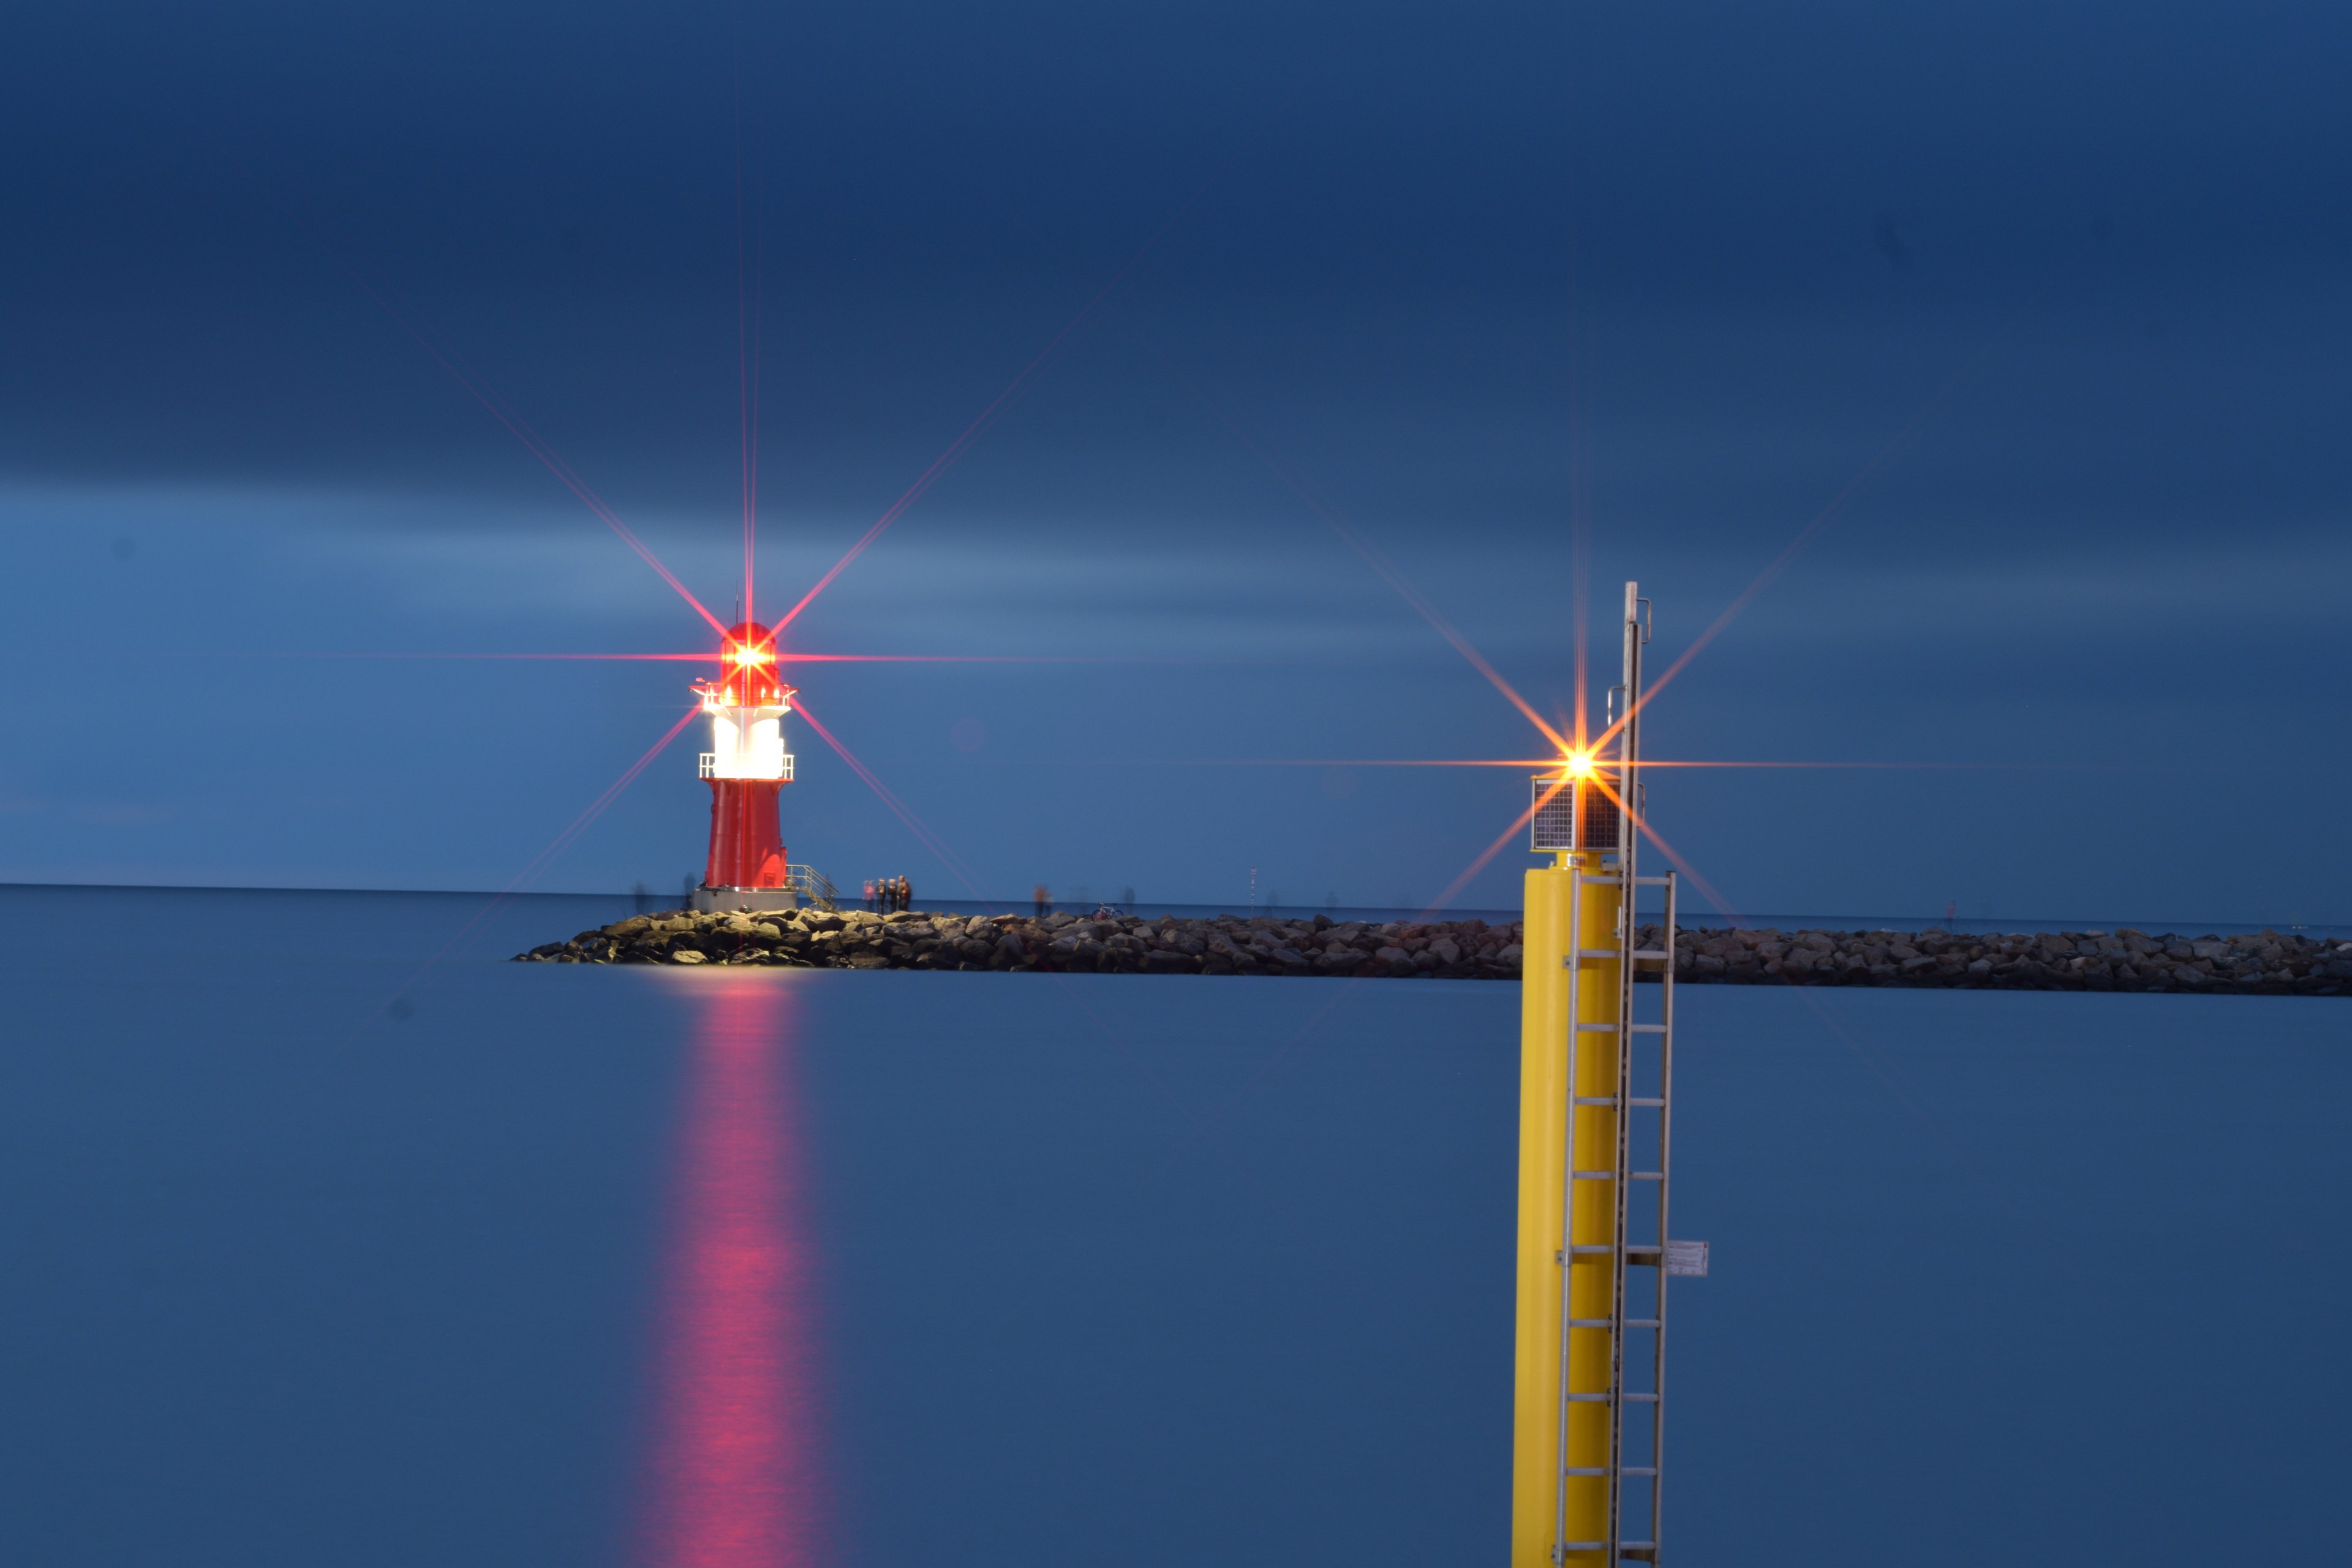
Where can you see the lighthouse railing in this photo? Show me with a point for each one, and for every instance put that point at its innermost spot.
(813, 885)
(709, 765)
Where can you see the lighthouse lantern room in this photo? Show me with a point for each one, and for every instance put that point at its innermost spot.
(746, 766)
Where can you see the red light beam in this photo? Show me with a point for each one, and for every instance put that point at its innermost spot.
(781, 659)
(480, 391)
(898, 808)
(747, 347)
(539, 861)
(957, 448)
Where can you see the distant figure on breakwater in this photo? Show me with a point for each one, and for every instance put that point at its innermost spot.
(869, 892)
(1042, 897)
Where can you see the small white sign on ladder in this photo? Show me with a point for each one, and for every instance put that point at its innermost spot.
(1686, 1259)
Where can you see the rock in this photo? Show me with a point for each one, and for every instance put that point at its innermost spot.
(2268, 964)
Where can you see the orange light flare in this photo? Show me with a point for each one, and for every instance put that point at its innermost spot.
(1706, 887)
(1519, 825)
(1580, 551)
(1593, 768)
(1591, 762)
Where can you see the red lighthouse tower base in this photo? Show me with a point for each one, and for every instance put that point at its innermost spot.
(747, 847)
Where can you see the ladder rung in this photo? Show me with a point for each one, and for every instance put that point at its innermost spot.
(1641, 1254)
(1610, 1099)
(1596, 952)
(1654, 954)
(1590, 880)
(1652, 881)
(1593, 1175)
(1646, 1549)
(1605, 1470)
(1604, 1322)
(1603, 1398)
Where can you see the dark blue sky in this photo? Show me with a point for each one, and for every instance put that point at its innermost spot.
(2053, 296)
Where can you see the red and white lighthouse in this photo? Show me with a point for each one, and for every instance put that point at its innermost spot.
(746, 766)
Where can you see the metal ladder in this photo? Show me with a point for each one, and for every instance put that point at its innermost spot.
(1634, 1064)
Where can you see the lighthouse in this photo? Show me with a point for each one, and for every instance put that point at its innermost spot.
(746, 766)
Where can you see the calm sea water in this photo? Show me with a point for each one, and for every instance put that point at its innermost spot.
(577, 1266)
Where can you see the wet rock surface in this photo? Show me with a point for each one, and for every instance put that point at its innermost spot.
(2267, 963)
(1125, 944)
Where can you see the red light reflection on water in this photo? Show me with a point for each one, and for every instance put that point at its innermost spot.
(735, 1477)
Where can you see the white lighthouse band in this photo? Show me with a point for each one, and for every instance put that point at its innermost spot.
(745, 743)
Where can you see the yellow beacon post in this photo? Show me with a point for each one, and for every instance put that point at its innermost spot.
(1594, 1084)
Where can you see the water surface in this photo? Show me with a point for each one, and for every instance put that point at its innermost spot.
(305, 1259)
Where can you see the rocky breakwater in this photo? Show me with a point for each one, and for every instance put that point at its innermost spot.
(2124, 959)
(2266, 965)
(820, 939)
